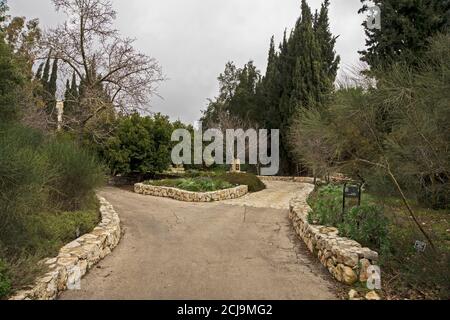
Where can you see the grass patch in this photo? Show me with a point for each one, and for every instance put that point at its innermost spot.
(45, 234)
(383, 224)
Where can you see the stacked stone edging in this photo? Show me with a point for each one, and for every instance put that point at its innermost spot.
(76, 258)
(337, 178)
(344, 258)
(188, 196)
(287, 179)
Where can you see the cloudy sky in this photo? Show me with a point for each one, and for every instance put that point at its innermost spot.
(193, 39)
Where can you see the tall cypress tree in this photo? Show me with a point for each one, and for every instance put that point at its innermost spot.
(52, 86)
(51, 93)
(46, 73)
(71, 97)
(307, 72)
(39, 71)
(329, 59)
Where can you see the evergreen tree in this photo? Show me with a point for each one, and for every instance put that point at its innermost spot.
(327, 41)
(244, 103)
(406, 28)
(52, 86)
(307, 72)
(67, 94)
(3, 9)
(46, 73)
(270, 90)
(51, 94)
(39, 71)
(299, 75)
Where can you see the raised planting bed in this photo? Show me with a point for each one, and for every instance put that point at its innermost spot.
(199, 189)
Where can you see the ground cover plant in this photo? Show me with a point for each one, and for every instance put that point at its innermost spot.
(383, 224)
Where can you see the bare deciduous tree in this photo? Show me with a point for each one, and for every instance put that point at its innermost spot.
(112, 73)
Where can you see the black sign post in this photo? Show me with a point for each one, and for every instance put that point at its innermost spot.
(350, 191)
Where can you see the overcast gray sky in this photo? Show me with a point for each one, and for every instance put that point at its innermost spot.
(193, 39)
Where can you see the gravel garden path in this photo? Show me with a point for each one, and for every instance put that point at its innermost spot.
(236, 249)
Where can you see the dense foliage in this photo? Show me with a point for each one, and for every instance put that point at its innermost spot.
(139, 145)
(247, 179)
(198, 184)
(382, 224)
(300, 75)
(366, 224)
(41, 177)
(396, 132)
(47, 180)
(406, 29)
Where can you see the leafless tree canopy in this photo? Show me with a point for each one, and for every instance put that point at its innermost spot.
(88, 44)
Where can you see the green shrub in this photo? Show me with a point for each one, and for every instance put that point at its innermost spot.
(78, 174)
(25, 178)
(5, 282)
(367, 225)
(199, 184)
(139, 145)
(326, 206)
(40, 176)
(48, 232)
(247, 179)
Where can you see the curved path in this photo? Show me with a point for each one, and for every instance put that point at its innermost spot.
(237, 249)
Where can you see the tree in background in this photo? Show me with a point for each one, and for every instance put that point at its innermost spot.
(113, 75)
(139, 145)
(300, 75)
(15, 66)
(71, 98)
(406, 29)
(12, 82)
(410, 160)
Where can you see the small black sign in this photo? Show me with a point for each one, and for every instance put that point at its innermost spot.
(352, 191)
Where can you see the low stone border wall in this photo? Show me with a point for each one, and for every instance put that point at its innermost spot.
(187, 196)
(287, 179)
(76, 258)
(338, 178)
(344, 258)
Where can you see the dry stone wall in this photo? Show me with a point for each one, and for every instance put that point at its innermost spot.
(76, 258)
(187, 196)
(344, 258)
(287, 179)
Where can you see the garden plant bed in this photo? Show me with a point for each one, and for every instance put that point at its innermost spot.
(347, 260)
(190, 196)
(383, 224)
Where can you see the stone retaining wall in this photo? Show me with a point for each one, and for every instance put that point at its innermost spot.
(336, 178)
(344, 258)
(76, 258)
(188, 196)
(287, 179)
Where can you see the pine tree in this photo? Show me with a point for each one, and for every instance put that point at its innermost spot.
(406, 28)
